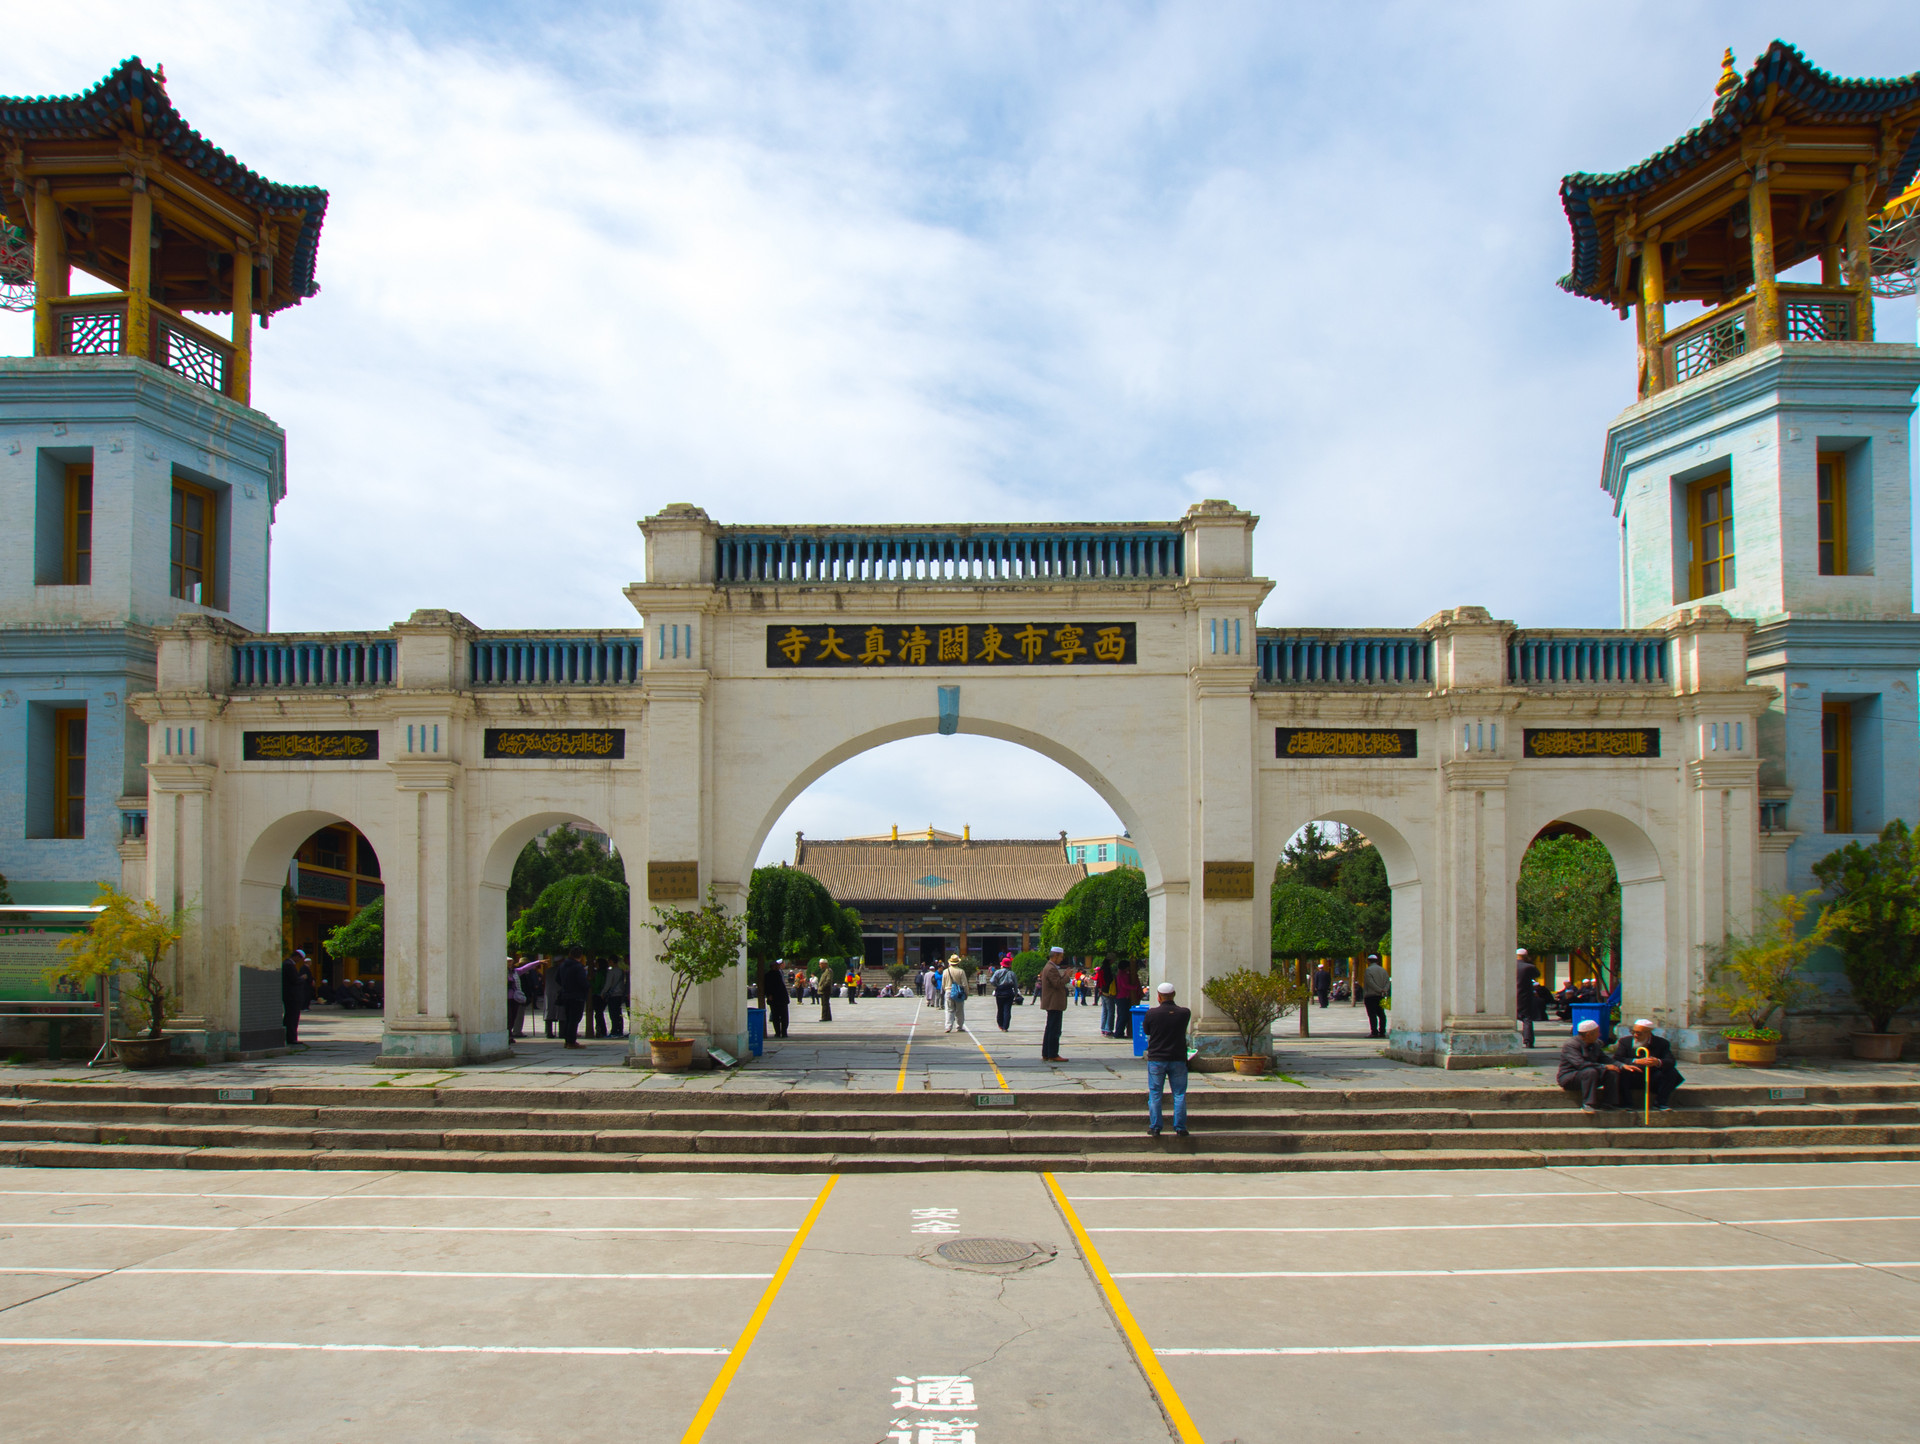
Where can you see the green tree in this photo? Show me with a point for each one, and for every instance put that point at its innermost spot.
(5, 896)
(1755, 975)
(1363, 882)
(564, 852)
(1875, 915)
(700, 945)
(1027, 966)
(1568, 898)
(790, 914)
(580, 911)
(128, 938)
(1311, 858)
(1313, 922)
(1104, 915)
(362, 936)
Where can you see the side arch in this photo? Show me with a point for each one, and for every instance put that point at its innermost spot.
(490, 901)
(1649, 976)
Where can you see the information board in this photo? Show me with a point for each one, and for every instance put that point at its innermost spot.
(26, 952)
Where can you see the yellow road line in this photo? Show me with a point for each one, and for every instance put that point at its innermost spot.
(900, 1083)
(696, 1431)
(990, 1063)
(1149, 1364)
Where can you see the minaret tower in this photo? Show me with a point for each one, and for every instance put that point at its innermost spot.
(137, 481)
(1766, 466)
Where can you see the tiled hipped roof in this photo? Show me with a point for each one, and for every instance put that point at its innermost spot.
(941, 874)
(1807, 94)
(106, 110)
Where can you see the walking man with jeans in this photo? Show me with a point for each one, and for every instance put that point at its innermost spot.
(1166, 1030)
(1375, 986)
(1053, 1002)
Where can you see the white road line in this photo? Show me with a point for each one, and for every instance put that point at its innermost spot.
(617, 1352)
(1557, 1193)
(366, 1273)
(1483, 1227)
(382, 1228)
(1546, 1347)
(406, 1197)
(1495, 1273)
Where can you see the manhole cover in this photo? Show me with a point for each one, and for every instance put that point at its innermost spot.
(987, 1251)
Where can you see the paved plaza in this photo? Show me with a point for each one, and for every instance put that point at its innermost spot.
(1683, 1303)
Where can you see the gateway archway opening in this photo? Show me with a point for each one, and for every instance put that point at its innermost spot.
(1330, 907)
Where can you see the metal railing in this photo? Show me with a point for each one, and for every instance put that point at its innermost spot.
(1586, 659)
(883, 555)
(319, 661)
(521, 661)
(1377, 659)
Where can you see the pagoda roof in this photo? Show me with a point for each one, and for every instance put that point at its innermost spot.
(130, 107)
(913, 872)
(1781, 91)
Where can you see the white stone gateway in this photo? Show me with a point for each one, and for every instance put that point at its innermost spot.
(1129, 654)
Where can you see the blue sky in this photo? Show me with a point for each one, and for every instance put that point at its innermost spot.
(900, 261)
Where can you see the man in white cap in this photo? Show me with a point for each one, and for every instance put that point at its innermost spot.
(1648, 1059)
(1053, 1002)
(1527, 1008)
(1166, 1028)
(1584, 1065)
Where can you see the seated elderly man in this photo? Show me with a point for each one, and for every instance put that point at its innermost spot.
(1653, 1068)
(1583, 1064)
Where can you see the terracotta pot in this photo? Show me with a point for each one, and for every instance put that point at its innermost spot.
(1880, 1047)
(1752, 1053)
(143, 1052)
(1254, 1065)
(671, 1055)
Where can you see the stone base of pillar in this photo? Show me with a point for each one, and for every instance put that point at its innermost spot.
(1459, 1045)
(1213, 1052)
(437, 1042)
(1697, 1045)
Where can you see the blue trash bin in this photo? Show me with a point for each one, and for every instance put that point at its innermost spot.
(1139, 1011)
(1601, 1013)
(756, 1031)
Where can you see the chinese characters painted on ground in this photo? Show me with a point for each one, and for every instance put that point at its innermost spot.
(949, 1394)
(953, 644)
(1591, 742)
(936, 1220)
(600, 743)
(309, 746)
(1345, 742)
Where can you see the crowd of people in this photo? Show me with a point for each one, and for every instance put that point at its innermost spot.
(569, 992)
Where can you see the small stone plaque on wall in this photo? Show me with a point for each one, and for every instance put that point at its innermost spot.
(1355, 742)
(673, 882)
(1228, 881)
(590, 744)
(1607, 742)
(309, 746)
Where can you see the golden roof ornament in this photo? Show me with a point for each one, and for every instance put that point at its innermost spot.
(1729, 77)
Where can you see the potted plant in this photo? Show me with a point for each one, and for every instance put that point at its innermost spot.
(1253, 1002)
(1875, 909)
(700, 944)
(128, 939)
(1755, 975)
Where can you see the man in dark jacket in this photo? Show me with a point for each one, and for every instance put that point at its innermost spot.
(1654, 1066)
(1583, 1064)
(1526, 996)
(773, 993)
(1166, 1030)
(1322, 982)
(1376, 986)
(1053, 1002)
(575, 986)
(293, 993)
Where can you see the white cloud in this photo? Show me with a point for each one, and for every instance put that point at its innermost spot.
(926, 262)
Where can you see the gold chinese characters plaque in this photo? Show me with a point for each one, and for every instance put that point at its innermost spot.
(1228, 882)
(953, 644)
(673, 882)
(1591, 742)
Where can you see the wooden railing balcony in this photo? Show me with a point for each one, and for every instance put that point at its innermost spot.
(97, 326)
(1807, 313)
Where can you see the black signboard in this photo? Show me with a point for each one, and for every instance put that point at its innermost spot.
(309, 746)
(1608, 742)
(557, 743)
(953, 644)
(1349, 742)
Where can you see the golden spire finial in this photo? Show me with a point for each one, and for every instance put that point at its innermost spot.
(1729, 77)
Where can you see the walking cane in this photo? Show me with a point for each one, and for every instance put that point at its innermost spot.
(1640, 1053)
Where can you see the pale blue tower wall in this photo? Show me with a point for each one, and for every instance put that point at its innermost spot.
(64, 647)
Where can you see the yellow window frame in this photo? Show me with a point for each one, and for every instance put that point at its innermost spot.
(1836, 785)
(1712, 540)
(178, 571)
(1830, 505)
(69, 789)
(76, 552)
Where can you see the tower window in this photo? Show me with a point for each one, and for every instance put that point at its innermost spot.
(191, 534)
(70, 772)
(1833, 513)
(1710, 523)
(77, 561)
(1836, 766)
